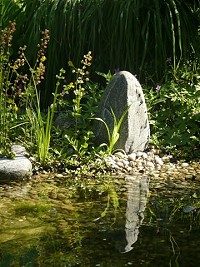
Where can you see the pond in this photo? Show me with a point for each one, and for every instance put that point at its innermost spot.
(133, 220)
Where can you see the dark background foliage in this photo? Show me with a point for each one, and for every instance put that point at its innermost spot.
(134, 35)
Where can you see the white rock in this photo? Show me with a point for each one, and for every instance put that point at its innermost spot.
(144, 155)
(150, 159)
(132, 163)
(139, 154)
(135, 130)
(185, 164)
(155, 151)
(129, 169)
(109, 158)
(139, 160)
(132, 157)
(158, 167)
(115, 166)
(158, 160)
(150, 164)
(120, 155)
(120, 164)
(125, 162)
(18, 168)
(165, 159)
(150, 154)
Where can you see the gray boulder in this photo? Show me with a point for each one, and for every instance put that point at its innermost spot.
(15, 169)
(122, 91)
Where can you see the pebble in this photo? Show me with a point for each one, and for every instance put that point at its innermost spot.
(59, 175)
(151, 162)
(132, 164)
(141, 154)
(158, 160)
(132, 157)
(120, 164)
(154, 165)
(120, 155)
(184, 164)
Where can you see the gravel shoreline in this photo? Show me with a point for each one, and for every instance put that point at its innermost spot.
(153, 164)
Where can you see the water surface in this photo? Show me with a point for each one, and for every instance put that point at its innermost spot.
(111, 222)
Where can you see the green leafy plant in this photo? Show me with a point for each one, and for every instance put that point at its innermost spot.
(107, 76)
(77, 98)
(80, 147)
(113, 135)
(82, 107)
(175, 113)
(21, 91)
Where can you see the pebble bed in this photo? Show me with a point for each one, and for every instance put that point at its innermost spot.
(162, 170)
(152, 163)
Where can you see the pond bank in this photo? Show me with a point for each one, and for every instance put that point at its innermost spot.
(151, 163)
(160, 169)
(57, 220)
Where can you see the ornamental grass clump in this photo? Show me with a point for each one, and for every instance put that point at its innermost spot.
(137, 35)
(41, 124)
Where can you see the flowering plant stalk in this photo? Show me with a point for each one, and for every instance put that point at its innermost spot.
(8, 107)
(79, 89)
(79, 137)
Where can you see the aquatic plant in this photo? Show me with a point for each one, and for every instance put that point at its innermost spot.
(31, 208)
(42, 124)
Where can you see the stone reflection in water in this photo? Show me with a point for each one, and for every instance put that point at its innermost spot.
(137, 192)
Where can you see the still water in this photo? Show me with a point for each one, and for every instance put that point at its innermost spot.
(108, 223)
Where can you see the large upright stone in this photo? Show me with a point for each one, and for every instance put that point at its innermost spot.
(122, 91)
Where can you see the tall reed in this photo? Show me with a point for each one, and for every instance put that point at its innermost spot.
(137, 36)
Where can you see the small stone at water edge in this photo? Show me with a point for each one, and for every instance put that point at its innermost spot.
(158, 160)
(132, 157)
(188, 209)
(185, 164)
(150, 164)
